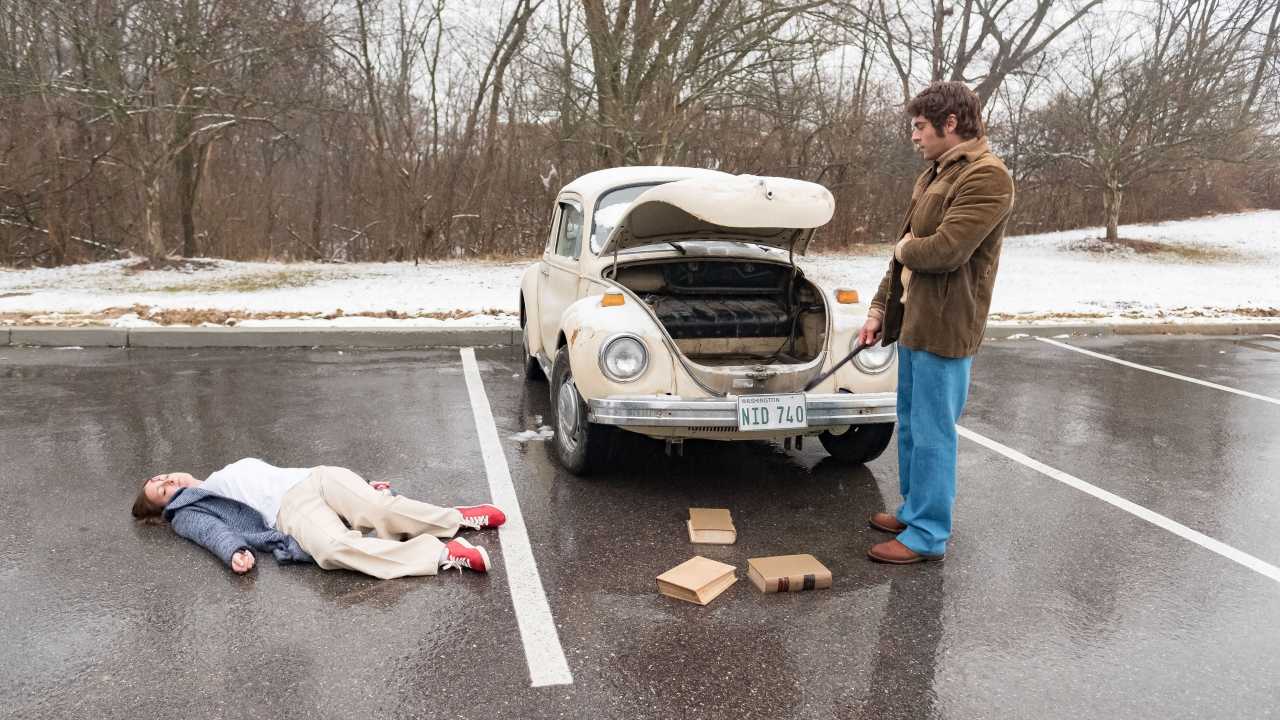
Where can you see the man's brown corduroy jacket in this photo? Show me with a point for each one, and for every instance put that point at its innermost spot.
(956, 218)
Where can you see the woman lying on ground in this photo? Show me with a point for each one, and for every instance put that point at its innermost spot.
(298, 514)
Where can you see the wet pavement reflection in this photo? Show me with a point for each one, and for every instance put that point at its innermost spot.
(1049, 604)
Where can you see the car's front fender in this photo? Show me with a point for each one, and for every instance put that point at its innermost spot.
(846, 321)
(529, 300)
(588, 325)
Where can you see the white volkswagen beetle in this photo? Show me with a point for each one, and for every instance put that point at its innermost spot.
(668, 303)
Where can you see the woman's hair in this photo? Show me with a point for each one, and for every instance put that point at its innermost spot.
(143, 509)
(942, 99)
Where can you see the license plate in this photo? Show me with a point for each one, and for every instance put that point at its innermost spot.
(771, 412)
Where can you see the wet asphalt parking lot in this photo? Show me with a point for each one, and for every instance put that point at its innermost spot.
(1052, 602)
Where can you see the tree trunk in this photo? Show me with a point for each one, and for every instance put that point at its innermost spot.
(940, 11)
(269, 187)
(52, 200)
(184, 126)
(317, 210)
(1112, 195)
(152, 231)
(186, 161)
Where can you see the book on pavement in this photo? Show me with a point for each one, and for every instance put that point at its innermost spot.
(711, 525)
(788, 573)
(697, 580)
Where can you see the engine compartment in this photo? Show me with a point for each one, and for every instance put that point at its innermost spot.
(732, 312)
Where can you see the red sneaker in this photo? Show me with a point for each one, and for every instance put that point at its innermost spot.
(481, 517)
(463, 554)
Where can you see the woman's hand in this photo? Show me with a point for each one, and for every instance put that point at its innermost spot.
(242, 562)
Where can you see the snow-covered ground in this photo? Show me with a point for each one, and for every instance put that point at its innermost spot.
(1222, 267)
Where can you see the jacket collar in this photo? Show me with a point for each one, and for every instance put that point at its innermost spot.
(185, 497)
(969, 150)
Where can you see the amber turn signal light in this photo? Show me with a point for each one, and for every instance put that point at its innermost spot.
(845, 296)
(612, 300)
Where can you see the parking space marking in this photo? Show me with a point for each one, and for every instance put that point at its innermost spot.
(1158, 371)
(1259, 566)
(542, 650)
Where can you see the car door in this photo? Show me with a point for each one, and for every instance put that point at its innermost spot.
(561, 273)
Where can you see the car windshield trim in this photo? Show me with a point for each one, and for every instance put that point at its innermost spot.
(597, 239)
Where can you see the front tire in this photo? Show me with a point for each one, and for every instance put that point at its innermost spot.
(859, 444)
(580, 445)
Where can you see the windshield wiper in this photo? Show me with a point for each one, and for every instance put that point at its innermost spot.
(678, 246)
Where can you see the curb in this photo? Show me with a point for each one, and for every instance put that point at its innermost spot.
(68, 337)
(1006, 330)
(414, 338)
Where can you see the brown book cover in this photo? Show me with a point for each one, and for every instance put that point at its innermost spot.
(788, 573)
(711, 525)
(697, 580)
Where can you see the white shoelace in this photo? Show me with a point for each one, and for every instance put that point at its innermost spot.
(475, 522)
(456, 563)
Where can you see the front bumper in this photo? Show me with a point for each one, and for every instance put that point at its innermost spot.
(821, 410)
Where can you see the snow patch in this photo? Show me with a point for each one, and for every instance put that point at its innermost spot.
(1039, 279)
(542, 434)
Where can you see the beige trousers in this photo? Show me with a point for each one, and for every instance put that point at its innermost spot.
(313, 510)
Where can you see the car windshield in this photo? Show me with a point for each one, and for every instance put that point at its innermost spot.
(609, 209)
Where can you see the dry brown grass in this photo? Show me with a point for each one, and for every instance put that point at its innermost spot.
(252, 283)
(169, 263)
(229, 318)
(1154, 249)
(1048, 316)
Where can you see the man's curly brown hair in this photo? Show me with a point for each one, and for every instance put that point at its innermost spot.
(942, 99)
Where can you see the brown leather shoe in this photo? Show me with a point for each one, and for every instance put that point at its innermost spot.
(896, 553)
(887, 522)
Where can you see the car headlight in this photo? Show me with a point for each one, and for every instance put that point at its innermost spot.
(875, 359)
(623, 358)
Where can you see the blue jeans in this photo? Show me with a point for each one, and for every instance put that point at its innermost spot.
(931, 395)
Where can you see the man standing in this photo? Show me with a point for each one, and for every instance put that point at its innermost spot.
(934, 301)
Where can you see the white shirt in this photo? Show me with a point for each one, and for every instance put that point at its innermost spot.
(257, 484)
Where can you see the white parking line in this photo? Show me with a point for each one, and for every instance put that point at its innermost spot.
(1259, 566)
(1158, 371)
(542, 650)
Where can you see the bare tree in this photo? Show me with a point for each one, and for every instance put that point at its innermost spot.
(1172, 105)
(980, 42)
(654, 62)
(490, 92)
(351, 130)
(1266, 64)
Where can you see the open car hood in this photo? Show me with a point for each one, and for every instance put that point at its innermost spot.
(779, 212)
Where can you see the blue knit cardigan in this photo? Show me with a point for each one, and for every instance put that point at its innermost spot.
(224, 527)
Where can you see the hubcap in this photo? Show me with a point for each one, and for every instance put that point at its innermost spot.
(567, 414)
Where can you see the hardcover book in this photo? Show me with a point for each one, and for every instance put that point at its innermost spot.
(788, 573)
(711, 525)
(697, 580)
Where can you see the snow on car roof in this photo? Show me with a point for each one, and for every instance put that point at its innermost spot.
(593, 184)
